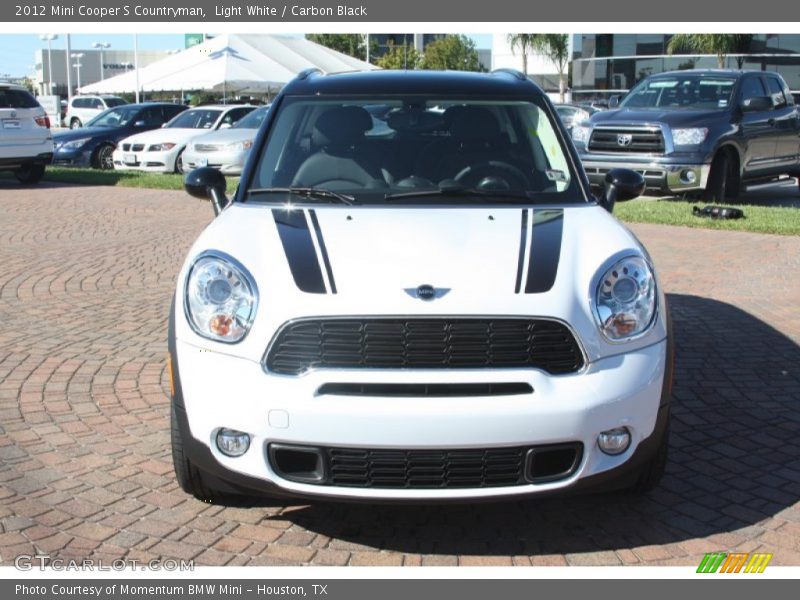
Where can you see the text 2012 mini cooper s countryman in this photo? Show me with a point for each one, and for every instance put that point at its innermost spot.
(413, 296)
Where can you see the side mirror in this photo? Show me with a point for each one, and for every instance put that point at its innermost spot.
(225, 126)
(139, 124)
(757, 104)
(613, 102)
(207, 183)
(621, 185)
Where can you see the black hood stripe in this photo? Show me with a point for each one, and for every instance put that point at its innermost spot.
(548, 228)
(523, 238)
(299, 249)
(322, 249)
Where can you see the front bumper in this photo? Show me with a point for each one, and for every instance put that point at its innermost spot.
(229, 163)
(153, 162)
(72, 158)
(627, 389)
(669, 177)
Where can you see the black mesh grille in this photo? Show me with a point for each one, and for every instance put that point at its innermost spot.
(644, 140)
(424, 344)
(426, 468)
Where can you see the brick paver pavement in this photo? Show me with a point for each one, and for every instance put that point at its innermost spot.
(86, 276)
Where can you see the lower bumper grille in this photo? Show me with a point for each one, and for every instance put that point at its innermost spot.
(450, 343)
(426, 469)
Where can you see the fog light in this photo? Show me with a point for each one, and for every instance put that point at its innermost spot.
(689, 176)
(232, 443)
(614, 441)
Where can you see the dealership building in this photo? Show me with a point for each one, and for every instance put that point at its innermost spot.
(607, 64)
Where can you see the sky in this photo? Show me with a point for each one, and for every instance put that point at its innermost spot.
(18, 50)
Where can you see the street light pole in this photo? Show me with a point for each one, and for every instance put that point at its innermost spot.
(136, 63)
(78, 56)
(49, 37)
(101, 46)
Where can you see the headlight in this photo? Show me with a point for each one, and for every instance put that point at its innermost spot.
(581, 134)
(221, 299)
(240, 146)
(626, 299)
(161, 147)
(689, 137)
(75, 144)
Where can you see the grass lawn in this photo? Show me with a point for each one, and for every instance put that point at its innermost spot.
(673, 211)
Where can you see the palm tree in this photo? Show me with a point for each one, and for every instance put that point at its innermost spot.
(523, 43)
(720, 44)
(554, 47)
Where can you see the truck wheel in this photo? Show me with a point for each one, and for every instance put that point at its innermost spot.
(189, 477)
(30, 174)
(722, 180)
(652, 472)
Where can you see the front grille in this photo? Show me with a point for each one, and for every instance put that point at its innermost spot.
(137, 147)
(453, 343)
(424, 390)
(425, 469)
(207, 147)
(649, 140)
(126, 147)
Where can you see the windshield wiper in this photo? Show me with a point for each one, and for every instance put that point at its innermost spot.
(458, 192)
(309, 193)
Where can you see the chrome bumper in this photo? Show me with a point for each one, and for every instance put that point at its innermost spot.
(667, 177)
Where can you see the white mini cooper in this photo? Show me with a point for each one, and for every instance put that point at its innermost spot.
(414, 297)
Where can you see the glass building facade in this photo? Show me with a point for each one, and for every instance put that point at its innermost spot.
(606, 64)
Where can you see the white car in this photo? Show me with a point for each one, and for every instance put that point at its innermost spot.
(26, 143)
(161, 150)
(82, 109)
(442, 312)
(225, 150)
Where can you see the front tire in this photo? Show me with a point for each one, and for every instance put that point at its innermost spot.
(75, 123)
(30, 174)
(190, 478)
(179, 163)
(103, 158)
(653, 470)
(723, 180)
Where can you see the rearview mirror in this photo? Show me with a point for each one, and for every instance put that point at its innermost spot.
(757, 104)
(207, 183)
(621, 185)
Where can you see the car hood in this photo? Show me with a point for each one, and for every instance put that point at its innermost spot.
(175, 135)
(226, 136)
(83, 132)
(351, 261)
(673, 117)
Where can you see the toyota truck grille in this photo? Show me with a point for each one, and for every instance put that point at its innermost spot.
(646, 140)
(452, 343)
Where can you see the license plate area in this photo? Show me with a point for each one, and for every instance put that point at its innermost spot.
(11, 124)
(129, 159)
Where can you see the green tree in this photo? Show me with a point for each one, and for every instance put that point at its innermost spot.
(720, 44)
(452, 52)
(555, 48)
(522, 42)
(351, 44)
(404, 56)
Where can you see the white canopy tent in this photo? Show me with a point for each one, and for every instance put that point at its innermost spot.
(244, 63)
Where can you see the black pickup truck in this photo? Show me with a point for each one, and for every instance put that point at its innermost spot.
(711, 130)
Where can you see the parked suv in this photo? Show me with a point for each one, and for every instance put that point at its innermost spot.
(711, 130)
(82, 109)
(425, 306)
(26, 144)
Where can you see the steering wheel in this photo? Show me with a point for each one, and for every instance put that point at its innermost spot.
(488, 170)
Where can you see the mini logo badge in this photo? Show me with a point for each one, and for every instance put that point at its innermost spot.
(426, 292)
(624, 139)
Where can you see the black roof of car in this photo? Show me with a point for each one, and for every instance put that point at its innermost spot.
(448, 83)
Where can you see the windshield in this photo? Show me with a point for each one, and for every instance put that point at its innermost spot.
(197, 118)
(253, 120)
(420, 149)
(683, 91)
(114, 117)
